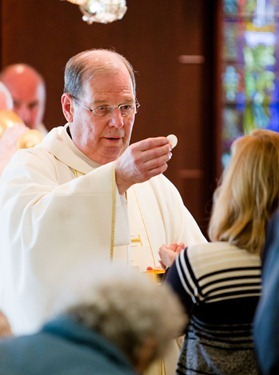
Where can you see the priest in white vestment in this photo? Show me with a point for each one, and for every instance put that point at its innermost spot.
(84, 195)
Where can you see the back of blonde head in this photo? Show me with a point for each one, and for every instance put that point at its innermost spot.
(249, 192)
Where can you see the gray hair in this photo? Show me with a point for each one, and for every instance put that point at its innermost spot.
(85, 65)
(127, 308)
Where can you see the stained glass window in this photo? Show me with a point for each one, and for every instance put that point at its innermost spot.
(250, 68)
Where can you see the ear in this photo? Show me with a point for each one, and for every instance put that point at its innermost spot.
(67, 107)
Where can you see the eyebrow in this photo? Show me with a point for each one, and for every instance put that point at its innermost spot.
(105, 102)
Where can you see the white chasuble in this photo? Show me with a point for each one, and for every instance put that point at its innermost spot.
(54, 221)
(142, 251)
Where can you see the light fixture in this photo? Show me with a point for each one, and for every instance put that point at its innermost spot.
(102, 11)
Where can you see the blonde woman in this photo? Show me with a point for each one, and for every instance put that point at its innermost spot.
(219, 282)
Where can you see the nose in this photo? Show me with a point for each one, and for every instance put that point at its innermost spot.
(116, 119)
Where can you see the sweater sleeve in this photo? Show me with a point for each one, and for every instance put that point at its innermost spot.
(176, 278)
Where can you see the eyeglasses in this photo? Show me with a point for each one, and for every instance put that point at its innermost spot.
(105, 109)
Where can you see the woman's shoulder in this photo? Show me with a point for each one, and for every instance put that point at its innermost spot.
(217, 256)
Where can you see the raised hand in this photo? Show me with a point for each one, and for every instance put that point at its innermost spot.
(169, 253)
(141, 161)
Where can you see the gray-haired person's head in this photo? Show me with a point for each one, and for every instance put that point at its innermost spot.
(85, 65)
(129, 310)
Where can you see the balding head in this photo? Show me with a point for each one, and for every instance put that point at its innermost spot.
(27, 88)
(87, 64)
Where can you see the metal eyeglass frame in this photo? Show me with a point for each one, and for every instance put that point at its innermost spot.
(110, 108)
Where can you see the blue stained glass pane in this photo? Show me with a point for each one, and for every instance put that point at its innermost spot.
(230, 7)
(250, 73)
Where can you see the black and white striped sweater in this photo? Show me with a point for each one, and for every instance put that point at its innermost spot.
(219, 286)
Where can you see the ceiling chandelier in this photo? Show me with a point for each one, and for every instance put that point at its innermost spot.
(102, 11)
